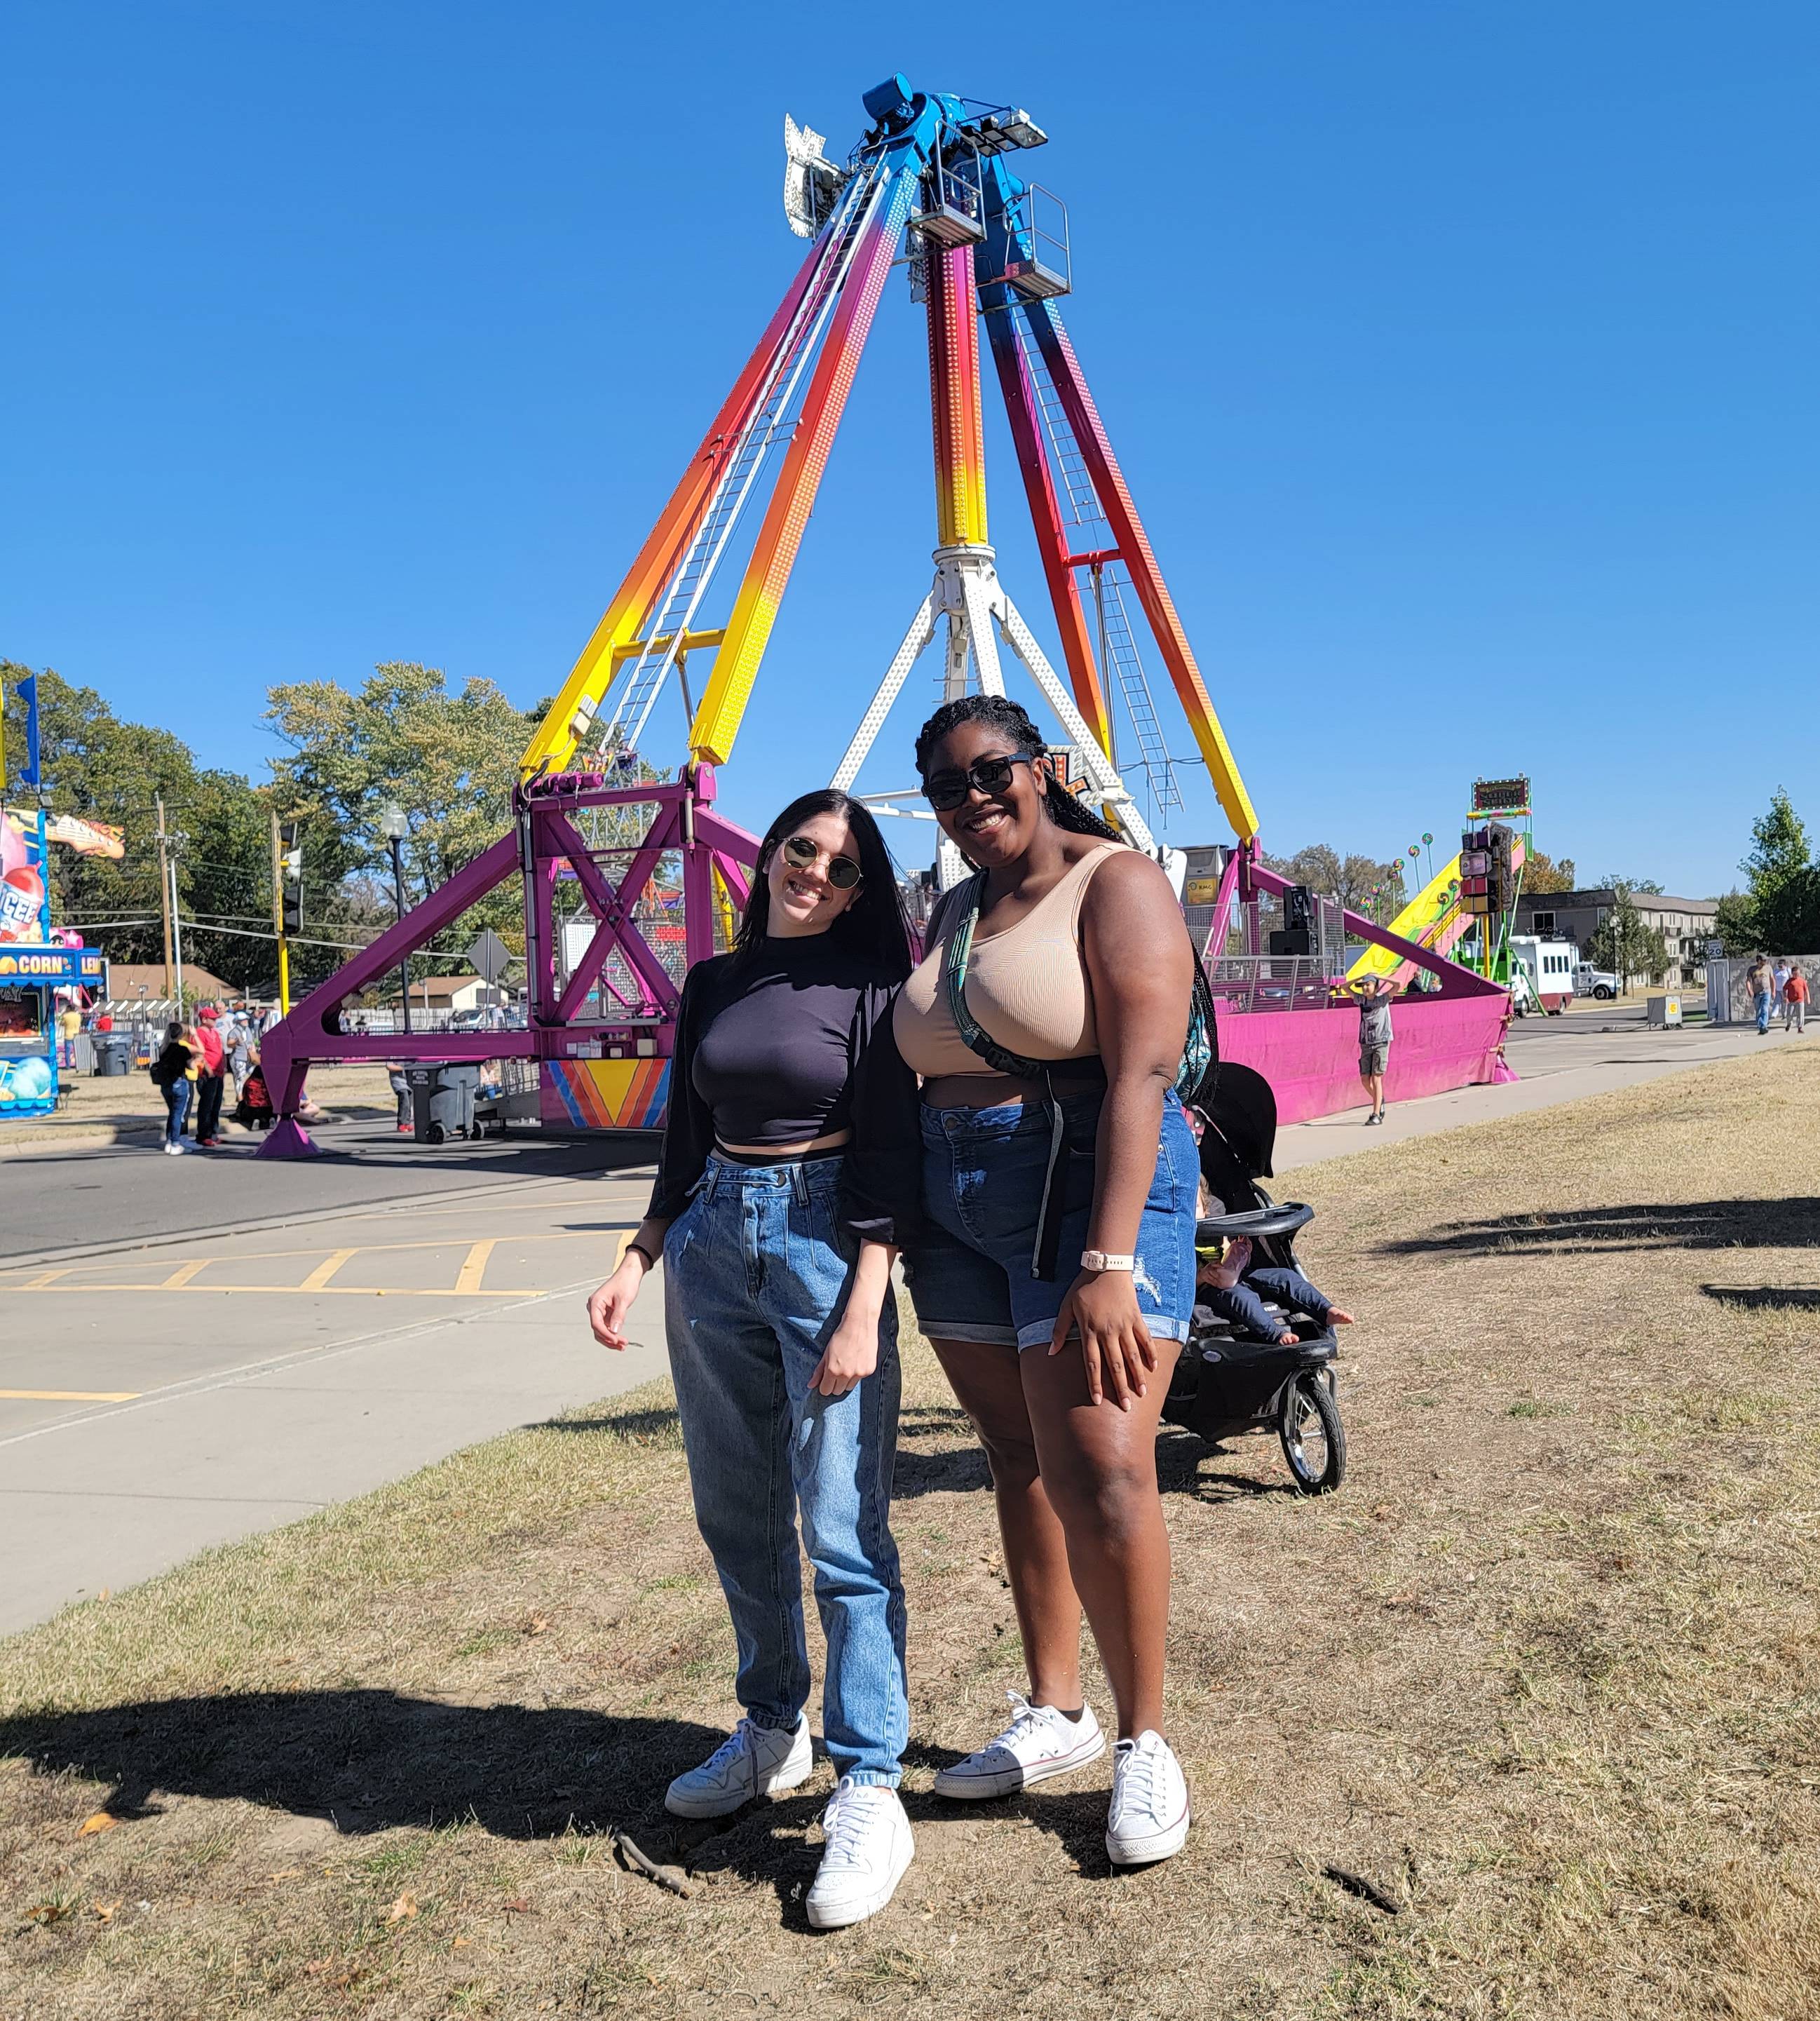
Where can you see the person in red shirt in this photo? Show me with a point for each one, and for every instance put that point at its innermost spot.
(1794, 996)
(210, 1086)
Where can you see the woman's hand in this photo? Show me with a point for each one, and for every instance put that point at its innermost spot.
(607, 1308)
(850, 1356)
(1115, 1343)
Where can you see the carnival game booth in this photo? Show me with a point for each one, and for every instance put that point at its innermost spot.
(934, 186)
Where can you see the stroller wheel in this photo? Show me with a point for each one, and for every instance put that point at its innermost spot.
(1314, 1440)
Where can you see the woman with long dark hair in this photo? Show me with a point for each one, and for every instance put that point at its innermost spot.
(1054, 1272)
(775, 1214)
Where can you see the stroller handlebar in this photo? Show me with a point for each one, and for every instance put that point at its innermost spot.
(1283, 1219)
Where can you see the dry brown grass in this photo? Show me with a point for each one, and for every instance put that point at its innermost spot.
(1546, 1672)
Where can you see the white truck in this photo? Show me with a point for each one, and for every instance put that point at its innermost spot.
(1591, 981)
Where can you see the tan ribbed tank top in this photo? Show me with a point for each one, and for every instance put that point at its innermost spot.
(1027, 986)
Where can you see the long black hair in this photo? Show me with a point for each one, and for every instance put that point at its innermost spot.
(1065, 808)
(873, 927)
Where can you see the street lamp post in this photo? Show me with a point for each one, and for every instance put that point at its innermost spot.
(395, 828)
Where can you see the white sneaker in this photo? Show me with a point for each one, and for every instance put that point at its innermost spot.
(1149, 1817)
(1039, 1743)
(869, 1845)
(751, 1761)
(174, 1150)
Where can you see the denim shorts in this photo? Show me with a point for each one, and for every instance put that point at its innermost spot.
(968, 1268)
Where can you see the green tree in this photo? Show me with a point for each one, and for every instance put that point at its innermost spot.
(1734, 924)
(106, 769)
(1784, 881)
(1542, 873)
(448, 760)
(1624, 944)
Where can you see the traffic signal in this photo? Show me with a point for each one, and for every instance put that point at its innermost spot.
(290, 866)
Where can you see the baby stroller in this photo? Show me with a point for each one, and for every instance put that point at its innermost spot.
(1226, 1380)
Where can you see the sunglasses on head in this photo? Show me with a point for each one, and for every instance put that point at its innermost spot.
(946, 791)
(802, 853)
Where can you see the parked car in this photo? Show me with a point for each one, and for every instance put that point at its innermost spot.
(1591, 981)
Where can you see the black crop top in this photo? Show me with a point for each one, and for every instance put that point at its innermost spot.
(791, 1042)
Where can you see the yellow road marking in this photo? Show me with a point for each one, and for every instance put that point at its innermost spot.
(474, 1269)
(72, 1396)
(299, 1291)
(47, 1277)
(317, 1279)
(182, 1273)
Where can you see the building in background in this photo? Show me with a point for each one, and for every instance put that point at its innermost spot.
(1685, 924)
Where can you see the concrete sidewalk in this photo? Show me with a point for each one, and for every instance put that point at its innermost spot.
(1586, 1052)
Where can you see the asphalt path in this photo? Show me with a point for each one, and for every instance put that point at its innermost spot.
(197, 1349)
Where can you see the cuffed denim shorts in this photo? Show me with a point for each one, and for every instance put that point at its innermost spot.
(968, 1268)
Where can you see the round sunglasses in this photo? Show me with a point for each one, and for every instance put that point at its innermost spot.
(803, 853)
(946, 791)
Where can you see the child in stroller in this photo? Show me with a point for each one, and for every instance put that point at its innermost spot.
(1236, 1375)
(1234, 1281)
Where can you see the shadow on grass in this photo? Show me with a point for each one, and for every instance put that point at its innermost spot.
(1181, 1458)
(1766, 1297)
(629, 1427)
(1731, 1224)
(369, 1760)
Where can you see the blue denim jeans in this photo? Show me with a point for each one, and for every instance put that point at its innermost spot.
(1763, 1010)
(984, 1173)
(755, 1273)
(177, 1103)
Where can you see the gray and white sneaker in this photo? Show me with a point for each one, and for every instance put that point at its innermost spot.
(751, 1761)
(1038, 1743)
(1149, 1817)
(869, 1845)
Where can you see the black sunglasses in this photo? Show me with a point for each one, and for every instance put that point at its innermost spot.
(801, 852)
(946, 791)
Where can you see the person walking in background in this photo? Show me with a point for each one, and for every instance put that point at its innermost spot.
(1756, 979)
(210, 1086)
(237, 1043)
(174, 1073)
(786, 1168)
(1795, 1000)
(1779, 989)
(1374, 993)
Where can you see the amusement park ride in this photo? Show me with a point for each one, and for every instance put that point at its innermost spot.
(937, 176)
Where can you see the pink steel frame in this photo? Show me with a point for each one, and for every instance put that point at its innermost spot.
(547, 848)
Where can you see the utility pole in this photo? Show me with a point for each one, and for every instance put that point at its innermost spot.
(163, 895)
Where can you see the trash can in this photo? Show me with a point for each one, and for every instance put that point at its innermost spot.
(441, 1100)
(1664, 1012)
(113, 1054)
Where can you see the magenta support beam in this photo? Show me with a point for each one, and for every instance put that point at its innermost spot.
(613, 907)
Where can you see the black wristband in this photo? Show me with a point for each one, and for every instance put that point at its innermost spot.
(650, 1261)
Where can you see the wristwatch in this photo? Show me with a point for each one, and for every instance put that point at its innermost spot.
(1101, 1259)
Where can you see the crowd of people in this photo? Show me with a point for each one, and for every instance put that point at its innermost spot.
(1004, 1116)
(192, 1070)
(1781, 986)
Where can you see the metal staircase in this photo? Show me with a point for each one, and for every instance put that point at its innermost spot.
(1118, 644)
(666, 638)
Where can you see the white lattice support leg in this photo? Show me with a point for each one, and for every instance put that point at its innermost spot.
(922, 630)
(1101, 775)
(977, 590)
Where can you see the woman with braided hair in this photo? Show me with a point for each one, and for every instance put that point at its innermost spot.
(1054, 1275)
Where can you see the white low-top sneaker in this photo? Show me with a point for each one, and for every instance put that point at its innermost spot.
(1149, 1817)
(868, 1847)
(751, 1761)
(1039, 1743)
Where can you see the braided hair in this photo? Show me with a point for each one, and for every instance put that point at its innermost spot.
(1065, 808)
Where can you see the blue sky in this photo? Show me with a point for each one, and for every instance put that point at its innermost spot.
(1461, 357)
